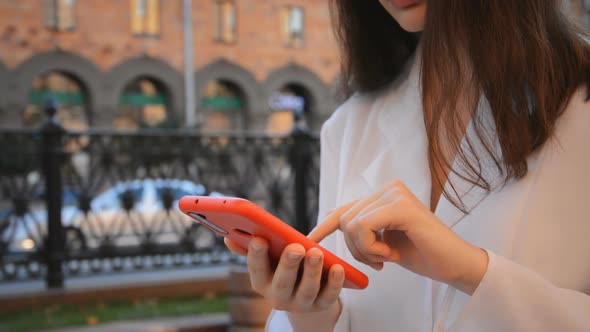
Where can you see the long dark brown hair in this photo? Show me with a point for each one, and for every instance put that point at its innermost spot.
(525, 57)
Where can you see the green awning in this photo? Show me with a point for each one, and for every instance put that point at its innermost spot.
(39, 97)
(222, 102)
(138, 99)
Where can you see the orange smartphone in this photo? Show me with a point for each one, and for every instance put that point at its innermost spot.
(240, 220)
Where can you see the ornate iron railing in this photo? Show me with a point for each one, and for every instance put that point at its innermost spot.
(102, 201)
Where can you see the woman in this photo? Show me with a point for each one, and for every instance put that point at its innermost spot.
(475, 113)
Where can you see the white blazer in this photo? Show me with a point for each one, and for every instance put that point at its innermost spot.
(536, 229)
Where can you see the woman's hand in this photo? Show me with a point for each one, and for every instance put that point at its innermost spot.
(394, 226)
(310, 305)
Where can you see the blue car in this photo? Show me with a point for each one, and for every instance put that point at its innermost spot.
(131, 213)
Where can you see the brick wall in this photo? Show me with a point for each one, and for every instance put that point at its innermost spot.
(103, 35)
(102, 53)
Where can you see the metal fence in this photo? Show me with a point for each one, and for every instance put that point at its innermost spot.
(102, 201)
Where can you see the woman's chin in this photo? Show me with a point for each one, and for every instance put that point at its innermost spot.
(412, 26)
(412, 19)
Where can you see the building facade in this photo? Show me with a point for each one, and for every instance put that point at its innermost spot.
(120, 63)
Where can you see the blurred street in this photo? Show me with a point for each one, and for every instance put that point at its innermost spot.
(89, 283)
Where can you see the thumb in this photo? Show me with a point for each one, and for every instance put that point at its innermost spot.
(370, 237)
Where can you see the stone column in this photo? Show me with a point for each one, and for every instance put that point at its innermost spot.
(104, 116)
(11, 115)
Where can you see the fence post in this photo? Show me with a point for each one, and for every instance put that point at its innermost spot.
(301, 163)
(52, 151)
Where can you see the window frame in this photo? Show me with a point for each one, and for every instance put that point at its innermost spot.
(220, 22)
(288, 36)
(51, 18)
(144, 19)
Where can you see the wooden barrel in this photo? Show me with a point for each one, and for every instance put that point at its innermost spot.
(248, 310)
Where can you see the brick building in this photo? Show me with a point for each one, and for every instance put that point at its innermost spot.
(120, 62)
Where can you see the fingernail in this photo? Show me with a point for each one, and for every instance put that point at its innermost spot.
(256, 246)
(338, 274)
(314, 260)
(294, 255)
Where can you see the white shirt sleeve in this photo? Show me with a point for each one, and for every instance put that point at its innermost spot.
(514, 298)
(278, 320)
(543, 286)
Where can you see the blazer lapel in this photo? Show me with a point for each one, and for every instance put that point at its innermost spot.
(401, 134)
(405, 154)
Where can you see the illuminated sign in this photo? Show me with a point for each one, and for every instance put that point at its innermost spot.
(279, 101)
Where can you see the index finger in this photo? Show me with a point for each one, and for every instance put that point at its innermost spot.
(330, 224)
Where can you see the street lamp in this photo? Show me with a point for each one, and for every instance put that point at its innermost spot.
(189, 79)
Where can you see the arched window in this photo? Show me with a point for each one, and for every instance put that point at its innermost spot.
(287, 104)
(144, 103)
(223, 107)
(69, 93)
